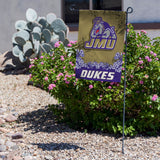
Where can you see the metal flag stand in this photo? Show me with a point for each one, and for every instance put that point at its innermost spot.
(129, 10)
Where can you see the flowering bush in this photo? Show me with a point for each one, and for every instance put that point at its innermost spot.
(99, 105)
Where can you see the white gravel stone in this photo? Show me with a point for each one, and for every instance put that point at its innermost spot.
(2, 148)
(43, 137)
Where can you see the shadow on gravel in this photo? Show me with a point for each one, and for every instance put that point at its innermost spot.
(9, 64)
(57, 146)
(42, 120)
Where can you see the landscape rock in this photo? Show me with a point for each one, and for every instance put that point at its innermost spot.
(48, 157)
(15, 147)
(28, 158)
(11, 156)
(2, 141)
(4, 130)
(2, 157)
(17, 136)
(10, 118)
(2, 121)
(2, 110)
(2, 148)
(9, 134)
(10, 144)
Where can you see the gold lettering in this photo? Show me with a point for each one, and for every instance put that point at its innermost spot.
(100, 44)
(110, 44)
(89, 44)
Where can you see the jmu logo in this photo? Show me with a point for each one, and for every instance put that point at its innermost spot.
(102, 36)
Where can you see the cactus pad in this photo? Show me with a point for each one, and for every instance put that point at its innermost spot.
(59, 25)
(31, 15)
(20, 25)
(37, 35)
(51, 17)
(21, 37)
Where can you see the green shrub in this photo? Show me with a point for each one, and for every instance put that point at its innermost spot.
(99, 105)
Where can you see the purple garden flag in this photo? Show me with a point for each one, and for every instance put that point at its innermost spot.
(101, 44)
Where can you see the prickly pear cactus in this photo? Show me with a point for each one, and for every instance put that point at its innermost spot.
(37, 35)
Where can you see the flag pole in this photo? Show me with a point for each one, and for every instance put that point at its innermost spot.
(129, 10)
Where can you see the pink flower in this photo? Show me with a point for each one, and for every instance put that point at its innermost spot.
(127, 30)
(35, 58)
(141, 82)
(146, 47)
(62, 59)
(100, 99)
(131, 76)
(69, 45)
(57, 44)
(67, 82)
(100, 96)
(157, 59)
(151, 52)
(117, 84)
(51, 86)
(112, 83)
(46, 78)
(146, 76)
(42, 63)
(90, 86)
(64, 67)
(140, 62)
(71, 63)
(154, 98)
(73, 75)
(143, 31)
(53, 58)
(109, 87)
(32, 65)
(68, 76)
(60, 74)
(146, 57)
(155, 54)
(73, 42)
(41, 57)
(122, 69)
(140, 58)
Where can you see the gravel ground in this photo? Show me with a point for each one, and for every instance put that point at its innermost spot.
(44, 139)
